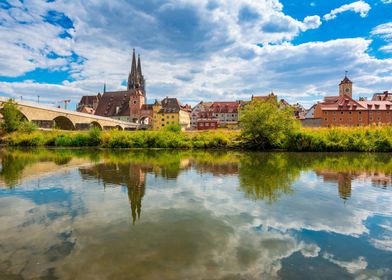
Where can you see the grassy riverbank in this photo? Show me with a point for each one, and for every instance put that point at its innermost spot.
(362, 139)
(126, 139)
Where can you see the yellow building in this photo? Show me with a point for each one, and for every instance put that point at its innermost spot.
(170, 112)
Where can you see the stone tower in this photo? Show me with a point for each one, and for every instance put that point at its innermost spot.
(346, 87)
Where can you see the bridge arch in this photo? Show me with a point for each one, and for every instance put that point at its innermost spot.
(64, 123)
(23, 117)
(96, 124)
(118, 127)
(145, 120)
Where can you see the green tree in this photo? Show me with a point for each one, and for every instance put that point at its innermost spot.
(265, 125)
(12, 118)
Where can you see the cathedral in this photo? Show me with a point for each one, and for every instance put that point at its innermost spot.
(127, 105)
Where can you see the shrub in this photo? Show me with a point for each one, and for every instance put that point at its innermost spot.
(265, 125)
(12, 118)
(27, 127)
(173, 128)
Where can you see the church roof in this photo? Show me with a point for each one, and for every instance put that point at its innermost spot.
(115, 103)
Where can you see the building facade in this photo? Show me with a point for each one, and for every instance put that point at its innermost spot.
(343, 110)
(170, 112)
(195, 114)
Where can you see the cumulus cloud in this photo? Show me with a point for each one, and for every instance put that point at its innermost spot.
(384, 31)
(360, 7)
(351, 266)
(193, 50)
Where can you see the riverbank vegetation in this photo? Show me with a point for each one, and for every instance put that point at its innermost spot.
(126, 139)
(264, 126)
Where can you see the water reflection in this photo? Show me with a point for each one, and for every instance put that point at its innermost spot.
(194, 215)
(132, 176)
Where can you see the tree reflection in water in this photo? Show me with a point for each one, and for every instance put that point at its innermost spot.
(262, 176)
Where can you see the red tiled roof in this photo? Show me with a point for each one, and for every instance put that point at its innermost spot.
(225, 107)
(110, 101)
(345, 102)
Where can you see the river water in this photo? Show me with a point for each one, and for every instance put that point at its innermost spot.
(98, 214)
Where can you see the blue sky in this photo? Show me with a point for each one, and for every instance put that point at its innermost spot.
(195, 49)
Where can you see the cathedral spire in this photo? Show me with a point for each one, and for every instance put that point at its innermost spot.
(139, 67)
(132, 75)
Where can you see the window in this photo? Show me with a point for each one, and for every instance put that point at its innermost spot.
(167, 122)
(167, 117)
(207, 124)
(360, 119)
(172, 117)
(134, 102)
(163, 119)
(350, 119)
(163, 124)
(325, 113)
(371, 118)
(201, 124)
(172, 122)
(359, 113)
(334, 119)
(340, 119)
(350, 113)
(379, 119)
(334, 113)
(326, 119)
(341, 112)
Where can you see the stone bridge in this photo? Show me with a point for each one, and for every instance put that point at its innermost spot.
(49, 117)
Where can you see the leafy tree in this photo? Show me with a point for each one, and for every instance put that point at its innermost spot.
(265, 125)
(12, 118)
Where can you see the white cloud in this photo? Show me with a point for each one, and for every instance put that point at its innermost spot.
(384, 31)
(214, 55)
(351, 266)
(360, 7)
(387, 1)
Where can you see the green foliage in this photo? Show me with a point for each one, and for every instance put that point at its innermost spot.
(360, 139)
(266, 126)
(12, 118)
(27, 127)
(173, 128)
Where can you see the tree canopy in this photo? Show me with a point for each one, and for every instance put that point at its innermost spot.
(266, 125)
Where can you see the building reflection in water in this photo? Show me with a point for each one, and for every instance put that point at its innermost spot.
(344, 180)
(132, 176)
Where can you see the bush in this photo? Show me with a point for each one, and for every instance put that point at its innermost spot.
(265, 125)
(173, 128)
(27, 127)
(12, 118)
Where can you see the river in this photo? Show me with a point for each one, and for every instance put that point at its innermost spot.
(100, 214)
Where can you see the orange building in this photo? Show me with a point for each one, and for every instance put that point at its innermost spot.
(343, 110)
